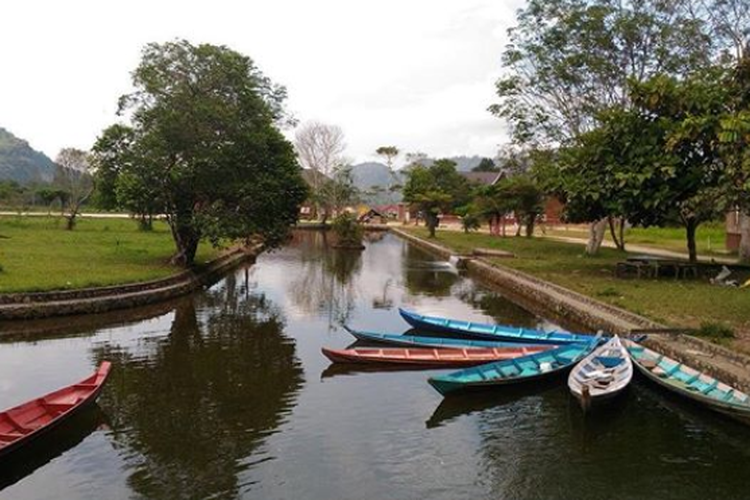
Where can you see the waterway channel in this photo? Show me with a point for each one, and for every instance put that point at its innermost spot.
(225, 394)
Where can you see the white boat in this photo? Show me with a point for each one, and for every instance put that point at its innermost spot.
(601, 375)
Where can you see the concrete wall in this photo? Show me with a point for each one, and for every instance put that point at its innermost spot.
(101, 299)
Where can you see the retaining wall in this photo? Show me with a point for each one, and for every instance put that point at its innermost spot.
(101, 299)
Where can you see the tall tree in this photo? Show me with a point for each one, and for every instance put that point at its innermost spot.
(204, 133)
(73, 176)
(569, 60)
(486, 165)
(435, 190)
(320, 148)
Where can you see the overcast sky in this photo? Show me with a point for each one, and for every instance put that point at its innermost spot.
(417, 74)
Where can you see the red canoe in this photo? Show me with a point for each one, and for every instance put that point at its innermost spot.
(430, 357)
(25, 422)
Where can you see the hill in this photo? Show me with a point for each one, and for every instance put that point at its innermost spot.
(21, 163)
(372, 179)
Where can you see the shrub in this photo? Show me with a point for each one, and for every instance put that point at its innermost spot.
(348, 231)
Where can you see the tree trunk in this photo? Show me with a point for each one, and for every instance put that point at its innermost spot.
(744, 250)
(596, 236)
(71, 221)
(530, 219)
(616, 229)
(431, 221)
(186, 240)
(690, 227)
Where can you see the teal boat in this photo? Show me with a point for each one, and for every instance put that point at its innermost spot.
(491, 332)
(690, 383)
(435, 342)
(512, 371)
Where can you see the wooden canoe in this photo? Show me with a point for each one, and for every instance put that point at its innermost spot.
(439, 342)
(524, 369)
(601, 375)
(24, 423)
(690, 383)
(429, 357)
(491, 332)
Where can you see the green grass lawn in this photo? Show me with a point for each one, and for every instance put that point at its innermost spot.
(709, 239)
(37, 253)
(679, 303)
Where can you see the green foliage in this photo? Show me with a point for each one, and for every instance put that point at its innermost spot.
(486, 165)
(348, 231)
(570, 59)
(471, 221)
(203, 148)
(435, 189)
(715, 331)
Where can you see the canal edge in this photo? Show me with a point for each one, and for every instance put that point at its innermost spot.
(38, 305)
(547, 298)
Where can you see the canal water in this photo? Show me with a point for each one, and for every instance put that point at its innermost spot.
(225, 394)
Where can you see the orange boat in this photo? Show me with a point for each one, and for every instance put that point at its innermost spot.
(431, 357)
(26, 422)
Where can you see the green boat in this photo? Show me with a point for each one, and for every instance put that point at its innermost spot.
(542, 365)
(690, 383)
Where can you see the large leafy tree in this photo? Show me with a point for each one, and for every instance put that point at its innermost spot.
(203, 143)
(570, 60)
(435, 189)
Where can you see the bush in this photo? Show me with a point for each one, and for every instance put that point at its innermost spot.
(348, 231)
(715, 331)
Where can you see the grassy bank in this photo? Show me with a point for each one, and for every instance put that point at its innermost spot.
(679, 303)
(37, 253)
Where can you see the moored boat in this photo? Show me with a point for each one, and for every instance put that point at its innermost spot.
(491, 332)
(440, 342)
(24, 423)
(524, 369)
(690, 383)
(601, 375)
(429, 357)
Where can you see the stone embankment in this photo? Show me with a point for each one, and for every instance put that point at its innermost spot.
(579, 311)
(101, 299)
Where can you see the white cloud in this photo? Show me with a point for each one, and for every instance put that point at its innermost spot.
(417, 74)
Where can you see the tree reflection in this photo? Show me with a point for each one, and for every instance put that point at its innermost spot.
(500, 308)
(326, 282)
(202, 399)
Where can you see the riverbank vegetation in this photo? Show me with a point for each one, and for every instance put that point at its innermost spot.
(38, 254)
(678, 303)
(633, 111)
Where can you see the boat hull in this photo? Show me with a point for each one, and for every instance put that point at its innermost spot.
(543, 365)
(738, 409)
(429, 358)
(602, 375)
(433, 342)
(30, 421)
(491, 332)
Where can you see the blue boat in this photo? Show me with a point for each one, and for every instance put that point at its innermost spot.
(690, 383)
(435, 342)
(512, 371)
(491, 332)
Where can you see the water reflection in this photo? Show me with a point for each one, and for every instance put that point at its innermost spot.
(426, 276)
(38, 453)
(325, 280)
(190, 407)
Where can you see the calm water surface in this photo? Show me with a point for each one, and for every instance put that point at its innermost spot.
(225, 394)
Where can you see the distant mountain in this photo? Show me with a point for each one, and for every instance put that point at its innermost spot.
(373, 180)
(20, 163)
